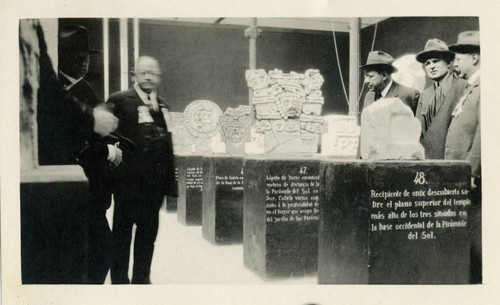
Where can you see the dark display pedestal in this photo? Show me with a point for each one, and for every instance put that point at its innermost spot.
(54, 232)
(394, 222)
(222, 219)
(172, 201)
(281, 216)
(190, 173)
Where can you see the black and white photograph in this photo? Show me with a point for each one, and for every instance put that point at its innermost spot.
(314, 158)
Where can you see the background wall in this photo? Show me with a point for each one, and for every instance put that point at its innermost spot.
(203, 61)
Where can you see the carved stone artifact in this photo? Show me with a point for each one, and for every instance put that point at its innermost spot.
(288, 108)
(390, 131)
(201, 119)
(342, 138)
(235, 128)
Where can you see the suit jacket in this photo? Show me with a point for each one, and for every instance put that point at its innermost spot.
(61, 117)
(433, 138)
(152, 168)
(408, 95)
(463, 141)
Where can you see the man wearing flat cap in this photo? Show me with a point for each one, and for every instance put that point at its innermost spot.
(463, 141)
(378, 71)
(93, 152)
(437, 101)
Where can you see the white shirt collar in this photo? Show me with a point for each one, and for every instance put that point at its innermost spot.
(386, 89)
(144, 96)
(72, 80)
(473, 77)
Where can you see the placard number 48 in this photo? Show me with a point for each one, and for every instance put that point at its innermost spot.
(419, 178)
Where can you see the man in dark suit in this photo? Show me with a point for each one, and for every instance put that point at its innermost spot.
(94, 154)
(377, 71)
(463, 141)
(438, 100)
(145, 178)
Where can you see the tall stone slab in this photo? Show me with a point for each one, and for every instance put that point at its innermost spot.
(171, 203)
(189, 202)
(403, 222)
(280, 216)
(222, 211)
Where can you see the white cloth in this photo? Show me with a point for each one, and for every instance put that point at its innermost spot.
(111, 152)
(386, 89)
(459, 107)
(72, 80)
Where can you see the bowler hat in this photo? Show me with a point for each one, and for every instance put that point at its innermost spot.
(468, 42)
(73, 39)
(379, 60)
(435, 48)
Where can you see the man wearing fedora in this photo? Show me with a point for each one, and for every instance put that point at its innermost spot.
(437, 101)
(463, 141)
(94, 153)
(378, 71)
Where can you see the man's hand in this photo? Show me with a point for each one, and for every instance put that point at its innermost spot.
(104, 121)
(114, 154)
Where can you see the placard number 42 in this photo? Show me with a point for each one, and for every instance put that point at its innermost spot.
(419, 178)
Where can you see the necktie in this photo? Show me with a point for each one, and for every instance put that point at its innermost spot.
(152, 104)
(378, 95)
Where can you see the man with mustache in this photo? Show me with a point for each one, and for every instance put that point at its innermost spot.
(377, 71)
(463, 141)
(143, 179)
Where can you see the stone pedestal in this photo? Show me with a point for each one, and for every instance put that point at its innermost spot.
(190, 175)
(403, 222)
(280, 216)
(54, 230)
(222, 219)
(172, 201)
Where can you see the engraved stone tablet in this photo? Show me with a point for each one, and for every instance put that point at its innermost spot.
(390, 131)
(280, 216)
(256, 144)
(190, 187)
(182, 140)
(342, 138)
(402, 222)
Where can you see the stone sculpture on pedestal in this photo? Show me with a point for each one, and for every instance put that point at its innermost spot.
(235, 129)
(181, 138)
(390, 131)
(288, 108)
(342, 138)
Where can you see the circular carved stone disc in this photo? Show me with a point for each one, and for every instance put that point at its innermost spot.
(201, 118)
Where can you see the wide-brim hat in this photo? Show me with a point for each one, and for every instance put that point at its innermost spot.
(468, 42)
(73, 39)
(435, 48)
(379, 60)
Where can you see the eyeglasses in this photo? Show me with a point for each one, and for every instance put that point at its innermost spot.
(144, 73)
